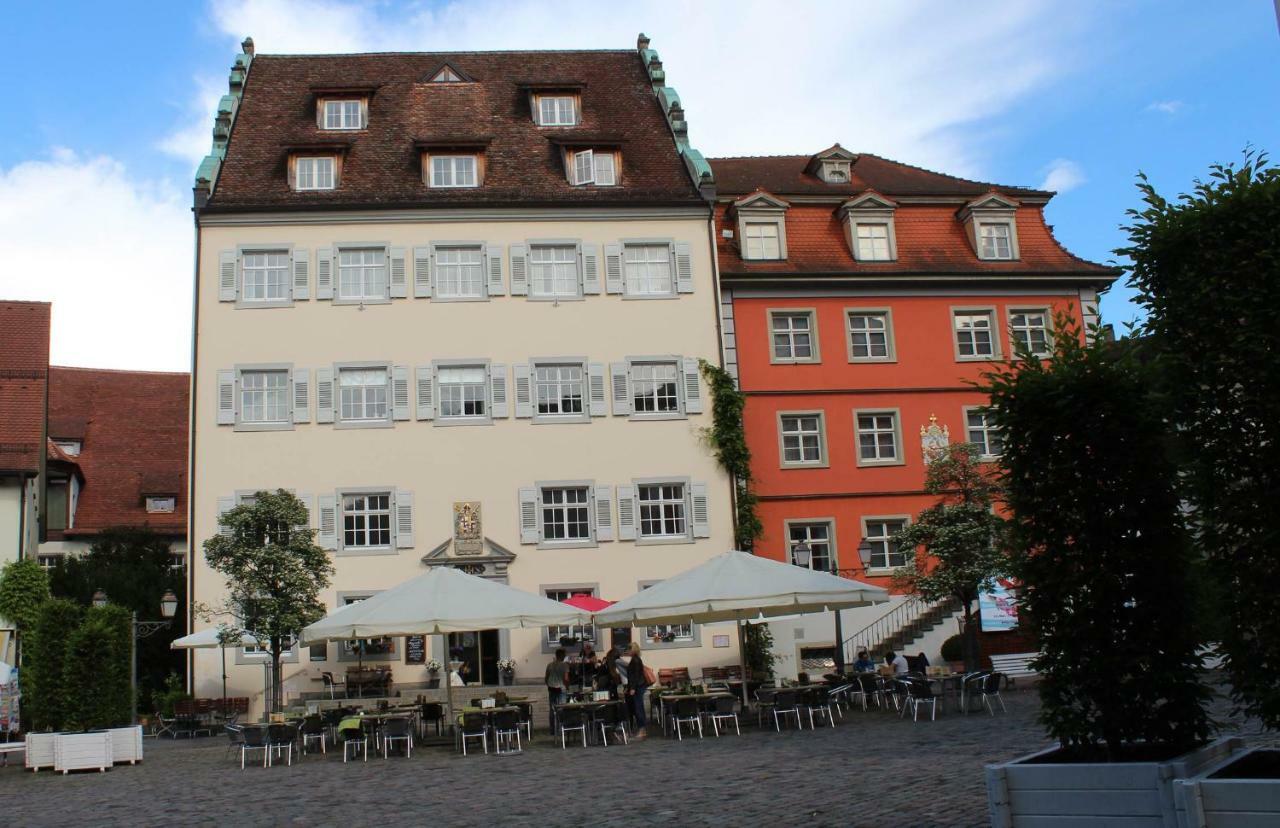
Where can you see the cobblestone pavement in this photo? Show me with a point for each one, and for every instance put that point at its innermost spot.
(872, 769)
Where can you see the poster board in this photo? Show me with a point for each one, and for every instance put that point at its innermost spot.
(999, 607)
(415, 649)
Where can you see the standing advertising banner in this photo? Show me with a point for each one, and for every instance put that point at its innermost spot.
(999, 607)
(9, 700)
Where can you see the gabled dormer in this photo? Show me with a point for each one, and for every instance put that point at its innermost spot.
(446, 73)
(868, 227)
(762, 226)
(834, 165)
(990, 222)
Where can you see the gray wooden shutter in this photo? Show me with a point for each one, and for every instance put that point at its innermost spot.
(498, 391)
(528, 515)
(701, 520)
(596, 387)
(399, 281)
(324, 273)
(327, 522)
(590, 269)
(400, 392)
(626, 513)
(692, 390)
(404, 519)
(301, 273)
(425, 380)
(621, 393)
(613, 269)
(228, 278)
(301, 395)
(493, 270)
(604, 513)
(684, 268)
(523, 373)
(226, 401)
(422, 272)
(519, 271)
(324, 395)
(225, 504)
(308, 503)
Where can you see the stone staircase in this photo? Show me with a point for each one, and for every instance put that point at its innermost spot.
(900, 627)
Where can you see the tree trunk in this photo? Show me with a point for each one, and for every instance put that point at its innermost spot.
(275, 679)
(970, 640)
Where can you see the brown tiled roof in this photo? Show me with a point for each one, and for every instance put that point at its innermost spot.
(785, 175)
(135, 439)
(381, 166)
(24, 367)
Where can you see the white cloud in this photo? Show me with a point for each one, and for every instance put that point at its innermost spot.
(1061, 175)
(111, 252)
(1166, 107)
(192, 141)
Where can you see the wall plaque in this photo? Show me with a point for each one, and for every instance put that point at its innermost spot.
(466, 528)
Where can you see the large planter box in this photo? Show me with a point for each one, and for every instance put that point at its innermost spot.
(1032, 792)
(40, 750)
(1204, 802)
(82, 751)
(126, 744)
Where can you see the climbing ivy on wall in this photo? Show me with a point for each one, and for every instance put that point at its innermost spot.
(727, 438)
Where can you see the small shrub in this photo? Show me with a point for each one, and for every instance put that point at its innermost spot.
(953, 648)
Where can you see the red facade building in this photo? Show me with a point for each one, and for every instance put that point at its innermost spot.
(860, 298)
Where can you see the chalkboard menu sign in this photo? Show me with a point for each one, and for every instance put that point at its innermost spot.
(415, 649)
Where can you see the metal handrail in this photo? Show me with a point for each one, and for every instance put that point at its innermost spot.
(887, 625)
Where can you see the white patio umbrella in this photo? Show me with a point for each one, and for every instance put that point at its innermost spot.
(212, 637)
(441, 600)
(738, 586)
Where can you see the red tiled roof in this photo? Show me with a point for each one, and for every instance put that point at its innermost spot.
(931, 240)
(24, 367)
(134, 435)
(785, 175)
(381, 166)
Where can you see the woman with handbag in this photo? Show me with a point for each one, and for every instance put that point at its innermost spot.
(639, 677)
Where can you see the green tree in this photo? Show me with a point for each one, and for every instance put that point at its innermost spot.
(24, 587)
(46, 694)
(758, 642)
(133, 567)
(274, 571)
(1100, 546)
(1207, 270)
(96, 671)
(728, 439)
(958, 543)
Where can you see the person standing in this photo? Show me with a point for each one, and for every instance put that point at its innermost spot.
(637, 683)
(557, 679)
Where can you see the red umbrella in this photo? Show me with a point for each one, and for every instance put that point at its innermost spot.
(587, 603)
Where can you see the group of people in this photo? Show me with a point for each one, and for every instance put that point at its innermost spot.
(621, 673)
(900, 664)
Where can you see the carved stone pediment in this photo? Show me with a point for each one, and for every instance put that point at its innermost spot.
(489, 560)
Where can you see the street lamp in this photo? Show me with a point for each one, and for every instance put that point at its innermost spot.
(141, 629)
(802, 555)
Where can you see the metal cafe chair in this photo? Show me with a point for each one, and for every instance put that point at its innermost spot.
(971, 688)
(687, 712)
(867, 687)
(611, 717)
(990, 689)
(474, 726)
(313, 730)
(785, 704)
(723, 708)
(355, 739)
(397, 729)
(571, 718)
(254, 737)
(915, 693)
(817, 700)
(280, 739)
(330, 682)
(526, 718)
(506, 732)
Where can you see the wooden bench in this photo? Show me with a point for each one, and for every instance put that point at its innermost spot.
(1014, 665)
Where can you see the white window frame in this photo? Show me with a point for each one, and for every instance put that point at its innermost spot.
(457, 166)
(869, 252)
(822, 460)
(895, 430)
(343, 124)
(559, 592)
(985, 428)
(346, 649)
(535, 398)
(777, 225)
(1045, 326)
(442, 419)
(281, 368)
(993, 255)
(370, 422)
(316, 176)
(575, 259)
(154, 504)
(365, 297)
(558, 120)
(814, 355)
(254, 654)
(829, 523)
(686, 504)
(242, 268)
(632, 383)
(343, 549)
(651, 246)
(994, 332)
(437, 292)
(866, 521)
(586, 486)
(692, 639)
(885, 313)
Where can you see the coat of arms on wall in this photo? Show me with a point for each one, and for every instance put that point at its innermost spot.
(934, 439)
(466, 528)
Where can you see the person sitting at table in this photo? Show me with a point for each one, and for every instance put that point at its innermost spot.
(898, 662)
(802, 678)
(556, 678)
(864, 664)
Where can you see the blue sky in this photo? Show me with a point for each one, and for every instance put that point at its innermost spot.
(112, 105)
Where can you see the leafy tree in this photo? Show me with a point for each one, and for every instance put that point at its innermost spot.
(1101, 548)
(274, 571)
(728, 439)
(132, 566)
(958, 541)
(96, 672)
(24, 586)
(46, 694)
(758, 643)
(1207, 270)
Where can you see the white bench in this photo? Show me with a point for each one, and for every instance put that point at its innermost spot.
(1014, 665)
(10, 747)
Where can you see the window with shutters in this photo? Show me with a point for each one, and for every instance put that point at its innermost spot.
(264, 276)
(879, 438)
(802, 439)
(364, 395)
(662, 511)
(1029, 330)
(264, 397)
(761, 240)
(647, 270)
(580, 632)
(878, 532)
(314, 173)
(983, 433)
(565, 515)
(793, 336)
(556, 110)
(659, 635)
(459, 273)
(819, 536)
(454, 171)
(344, 113)
(553, 271)
(974, 330)
(655, 388)
(870, 332)
(462, 393)
(559, 391)
(366, 521)
(362, 275)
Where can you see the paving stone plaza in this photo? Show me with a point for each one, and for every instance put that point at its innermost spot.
(872, 769)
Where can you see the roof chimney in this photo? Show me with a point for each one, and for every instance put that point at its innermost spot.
(642, 42)
(247, 46)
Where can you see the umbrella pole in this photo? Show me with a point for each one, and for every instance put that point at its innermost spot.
(742, 658)
(224, 679)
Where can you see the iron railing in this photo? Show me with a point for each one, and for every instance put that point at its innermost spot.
(894, 622)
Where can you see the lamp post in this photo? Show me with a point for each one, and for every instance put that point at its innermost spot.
(140, 630)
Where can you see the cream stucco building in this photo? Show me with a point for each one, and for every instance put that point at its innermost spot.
(456, 302)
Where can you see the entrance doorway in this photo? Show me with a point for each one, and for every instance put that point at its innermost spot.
(478, 652)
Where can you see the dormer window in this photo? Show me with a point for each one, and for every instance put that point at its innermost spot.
(994, 241)
(990, 222)
(556, 110)
(869, 228)
(446, 75)
(762, 227)
(594, 166)
(314, 172)
(344, 114)
(761, 240)
(454, 171)
(834, 165)
(873, 243)
(834, 171)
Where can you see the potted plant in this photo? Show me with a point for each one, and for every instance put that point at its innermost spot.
(433, 673)
(1104, 558)
(952, 651)
(506, 671)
